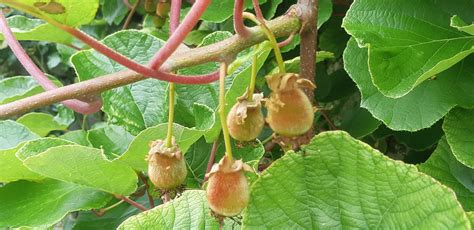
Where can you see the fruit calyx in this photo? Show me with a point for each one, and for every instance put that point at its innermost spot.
(166, 165)
(228, 190)
(245, 119)
(290, 112)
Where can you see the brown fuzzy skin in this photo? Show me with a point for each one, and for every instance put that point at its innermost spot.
(228, 190)
(250, 128)
(290, 113)
(228, 193)
(166, 166)
(166, 172)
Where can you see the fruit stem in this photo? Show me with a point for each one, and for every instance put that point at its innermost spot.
(271, 38)
(169, 136)
(253, 76)
(225, 129)
(132, 202)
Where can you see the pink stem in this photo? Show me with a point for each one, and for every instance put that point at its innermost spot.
(175, 12)
(38, 75)
(141, 69)
(286, 41)
(180, 34)
(126, 3)
(239, 26)
(258, 11)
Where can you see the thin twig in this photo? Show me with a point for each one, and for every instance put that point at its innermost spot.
(130, 15)
(126, 3)
(147, 187)
(131, 202)
(212, 158)
(328, 120)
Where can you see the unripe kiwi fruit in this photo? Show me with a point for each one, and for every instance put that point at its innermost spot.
(163, 8)
(245, 119)
(290, 112)
(166, 166)
(228, 189)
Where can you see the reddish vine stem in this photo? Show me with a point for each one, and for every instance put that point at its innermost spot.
(258, 11)
(220, 51)
(287, 41)
(126, 3)
(76, 105)
(212, 158)
(131, 202)
(328, 120)
(130, 15)
(308, 45)
(180, 34)
(175, 12)
(147, 187)
(239, 26)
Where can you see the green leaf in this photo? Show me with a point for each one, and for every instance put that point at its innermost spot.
(459, 24)
(443, 166)
(41, 123)
(471, 218)
(188, 211)
(12, 169)
(458, 126)
(84, 166)
(422, 107)
(114, 11)
(339, 182)
(359, 123)
(68, 12)
(78, 137)
(36, 30)
(111, 219)
(138, 149)
(15, 88)
(409, 41)
(37, 146)
(218, 11)
(324, 11)
(13, 134)
(114, 140)
(422, 139)
(30, 204)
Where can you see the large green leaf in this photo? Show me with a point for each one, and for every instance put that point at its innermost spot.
(12, 137)
(114, 140)
(41, 123)
(423, 106)
(138, 149)
(68, 12)
(37, 146)
(15, 88)
(218, 11)
(13, 134)
(443, 166)
(84, 166)
(459, 24)
(37, 30)
(188, 211)
(339, 182)
(458, 126)
(114, 11)
(30, 204)
(409, 40)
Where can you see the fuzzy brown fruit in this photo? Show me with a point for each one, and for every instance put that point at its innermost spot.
(166, 166)
(245, 119)
(228, 189)
(162, 9)
(290, 112)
